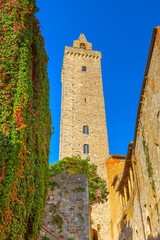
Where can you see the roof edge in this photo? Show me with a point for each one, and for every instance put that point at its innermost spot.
(126, 166)
(144, 79)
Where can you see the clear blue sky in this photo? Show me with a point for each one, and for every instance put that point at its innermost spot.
(122, 31)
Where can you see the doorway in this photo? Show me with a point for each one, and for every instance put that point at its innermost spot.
(95, 234)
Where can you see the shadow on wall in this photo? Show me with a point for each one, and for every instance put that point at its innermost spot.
(95, 234)
(151, 238)
(126, 234)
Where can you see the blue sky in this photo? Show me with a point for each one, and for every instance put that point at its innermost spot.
(122, 31)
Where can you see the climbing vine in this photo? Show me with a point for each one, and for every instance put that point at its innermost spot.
(150, 171)
(77, 165)
(25, 121)
(149, 165)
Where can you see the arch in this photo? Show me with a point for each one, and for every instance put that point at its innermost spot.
(86, 148)
(85, 129)
(83, 45)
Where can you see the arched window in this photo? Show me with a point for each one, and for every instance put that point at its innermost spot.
(85, 129)
(82, 45)
(84, 69)
(86, 148)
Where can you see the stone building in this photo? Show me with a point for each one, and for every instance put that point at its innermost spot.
(83, 123)
(136, 188)
(146, 149)
(133, 209)
(121, 195)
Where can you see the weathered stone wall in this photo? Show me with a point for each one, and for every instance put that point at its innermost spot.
(147, 147)
(83, 105)
(139, 217)
(66, 212)
(126, 234)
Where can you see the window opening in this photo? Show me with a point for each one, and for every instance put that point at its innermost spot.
(95, 234)
(82, 45)
(86, 148)
(85, 129)
(128, 197)
(149, 224)
(158, 116)
(84, 69)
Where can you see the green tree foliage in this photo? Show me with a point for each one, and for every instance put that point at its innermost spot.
(76, 165)
(25, 121)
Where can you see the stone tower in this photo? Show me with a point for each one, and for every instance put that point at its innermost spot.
(83, 123)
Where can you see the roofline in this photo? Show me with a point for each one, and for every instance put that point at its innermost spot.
(144, 80)
(117, 156)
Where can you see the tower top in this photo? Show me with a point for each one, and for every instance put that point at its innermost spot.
(82, 43)
(82, 38)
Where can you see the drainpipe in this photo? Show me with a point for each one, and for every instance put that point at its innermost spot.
(139, 200)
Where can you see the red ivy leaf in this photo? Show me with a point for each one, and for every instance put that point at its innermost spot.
(27, 10)
(15, 27)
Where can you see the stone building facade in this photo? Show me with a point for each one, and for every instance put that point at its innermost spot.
(83, 123)
(133, 209)
(66, 212)
(137, 187)
(146, 149)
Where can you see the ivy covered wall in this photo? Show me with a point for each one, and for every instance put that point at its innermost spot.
(25, 121)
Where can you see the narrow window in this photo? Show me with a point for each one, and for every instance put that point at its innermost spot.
(84, 69)
(158, 135)
(86, 148)
(149, 224)
(82, 45)
(158, 116)
(85, 100)
(85, 129)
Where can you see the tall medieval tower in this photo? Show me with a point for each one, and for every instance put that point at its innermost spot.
(83, 123)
